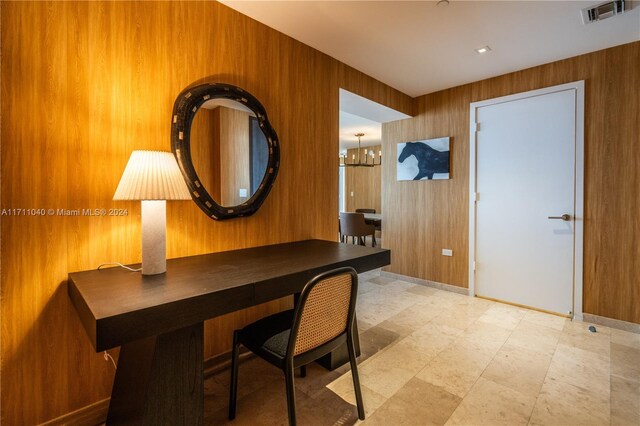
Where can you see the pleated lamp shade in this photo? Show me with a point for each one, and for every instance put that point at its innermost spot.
(152, 175)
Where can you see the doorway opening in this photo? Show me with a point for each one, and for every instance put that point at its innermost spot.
(360, 157)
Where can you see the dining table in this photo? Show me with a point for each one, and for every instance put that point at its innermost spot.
(373, 219)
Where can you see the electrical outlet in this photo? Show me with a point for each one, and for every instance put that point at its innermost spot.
(447, 252)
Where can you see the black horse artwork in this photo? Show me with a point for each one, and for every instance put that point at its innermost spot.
(430, 160)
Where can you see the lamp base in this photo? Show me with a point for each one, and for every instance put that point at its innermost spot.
(154, 237)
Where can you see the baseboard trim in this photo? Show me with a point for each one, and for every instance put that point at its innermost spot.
(221, 362)
(96, 413)
(428, 283)
(612, 323)
(91, 415)
(595, 319)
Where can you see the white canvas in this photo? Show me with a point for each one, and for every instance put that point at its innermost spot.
(423, 160)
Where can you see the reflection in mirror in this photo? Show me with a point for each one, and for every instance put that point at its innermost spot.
(232, 179)
(229, 151)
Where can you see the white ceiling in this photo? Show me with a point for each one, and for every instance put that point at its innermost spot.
(351, 124)
(362, 115)
(418, 47)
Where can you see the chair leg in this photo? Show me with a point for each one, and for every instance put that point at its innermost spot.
(233, 386)
(354, 374)
(303, 371)
(373, 244)
(291, 394)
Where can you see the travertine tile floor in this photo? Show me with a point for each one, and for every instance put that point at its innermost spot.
(432, 357)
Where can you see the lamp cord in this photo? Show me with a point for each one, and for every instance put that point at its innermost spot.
(120, 265)
(108, 357)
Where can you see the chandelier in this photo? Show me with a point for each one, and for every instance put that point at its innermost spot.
(359, 162)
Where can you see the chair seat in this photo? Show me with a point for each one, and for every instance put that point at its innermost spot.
(269, 336)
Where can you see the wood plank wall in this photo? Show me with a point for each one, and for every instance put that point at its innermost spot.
(235, 166)
(424, 217)
(205, 149)
(84, 84)
(365, 183)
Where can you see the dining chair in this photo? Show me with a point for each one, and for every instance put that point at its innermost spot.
(321, 322)
(353, 225)
(366, 211)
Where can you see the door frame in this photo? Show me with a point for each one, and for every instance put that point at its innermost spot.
(578, 237)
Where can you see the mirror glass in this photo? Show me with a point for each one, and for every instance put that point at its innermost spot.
(226, 149)
(229, 151)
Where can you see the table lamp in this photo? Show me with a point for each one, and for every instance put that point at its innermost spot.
(152, 177)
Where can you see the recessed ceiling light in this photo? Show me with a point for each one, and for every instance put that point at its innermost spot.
(483, 49)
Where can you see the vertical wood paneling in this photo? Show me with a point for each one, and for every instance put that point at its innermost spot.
(421, 218)
(205, 149)
(234, 155)
(612, 187)
(84, 84)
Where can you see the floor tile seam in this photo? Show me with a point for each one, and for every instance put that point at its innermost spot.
(586, 389)
(545, 378)
(299, 390)
(566, 382)
(461, 399)
(589, 391)
(516, 391)
(436, 355)
(598, 357)
(542, 325)
(582, 336)
(618, 376)
(425, 364)
(628, 346)
(625, 347)
(380, 352)
(493, 358)
(486, 366)
(375, 409)
(525, 395)
(361, 386)
(541, 386)
(610, 373)
(386, 399)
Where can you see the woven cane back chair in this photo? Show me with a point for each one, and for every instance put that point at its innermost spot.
(321, 322)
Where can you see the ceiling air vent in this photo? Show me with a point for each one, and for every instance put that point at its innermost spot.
(602, 11)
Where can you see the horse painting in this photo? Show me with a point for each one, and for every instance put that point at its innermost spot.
(430, 160)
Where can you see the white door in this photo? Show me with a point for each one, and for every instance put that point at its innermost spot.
(525, 181)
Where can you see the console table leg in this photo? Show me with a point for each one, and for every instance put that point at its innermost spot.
(159, 380)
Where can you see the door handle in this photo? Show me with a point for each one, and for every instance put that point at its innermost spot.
(565, 217)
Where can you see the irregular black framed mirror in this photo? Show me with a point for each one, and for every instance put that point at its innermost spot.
(226, 148)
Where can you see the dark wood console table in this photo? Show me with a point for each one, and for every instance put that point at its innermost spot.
(158, 320)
